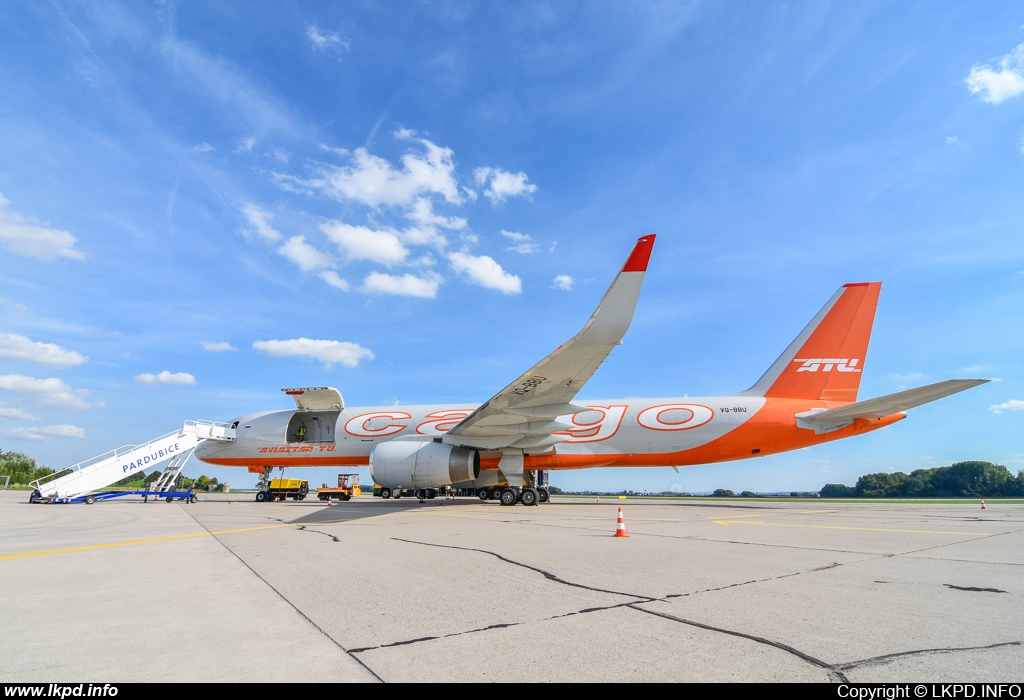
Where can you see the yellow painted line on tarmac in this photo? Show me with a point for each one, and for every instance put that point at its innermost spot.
(860, 529)
(146, 541)
(737, 517)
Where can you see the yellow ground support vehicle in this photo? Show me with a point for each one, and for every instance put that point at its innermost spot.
(348, 486)
(283, 489)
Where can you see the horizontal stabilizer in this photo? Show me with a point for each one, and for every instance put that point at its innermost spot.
(827, 420)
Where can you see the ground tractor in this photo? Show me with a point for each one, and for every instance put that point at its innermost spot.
(348, 486)
(283, 489)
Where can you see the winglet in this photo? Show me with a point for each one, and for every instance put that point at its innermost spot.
(641, 254)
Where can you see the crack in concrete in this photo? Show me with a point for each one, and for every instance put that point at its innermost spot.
(500, 625)
(835, 674)
(974, 589)
(876, 660)
(834, 671)
(326, 534)
(546, 574)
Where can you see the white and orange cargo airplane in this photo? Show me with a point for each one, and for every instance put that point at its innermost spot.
(808, 396)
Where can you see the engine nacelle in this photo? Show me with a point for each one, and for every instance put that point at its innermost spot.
(411, 464)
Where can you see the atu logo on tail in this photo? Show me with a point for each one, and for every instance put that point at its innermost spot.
(841, 364)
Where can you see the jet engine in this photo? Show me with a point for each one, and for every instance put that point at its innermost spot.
(412, 464)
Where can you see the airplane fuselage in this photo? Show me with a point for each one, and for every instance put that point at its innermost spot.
(612, 433)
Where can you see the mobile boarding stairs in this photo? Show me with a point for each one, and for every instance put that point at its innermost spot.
(81, 483)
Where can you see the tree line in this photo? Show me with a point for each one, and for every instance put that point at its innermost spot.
(959, 480)
(21, 468)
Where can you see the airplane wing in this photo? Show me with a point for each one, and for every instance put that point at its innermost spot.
(522, 415)
(833, 419)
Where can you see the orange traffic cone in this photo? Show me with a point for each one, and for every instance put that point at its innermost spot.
(598, 499)
(983, 506)
(330, 501)
(620, 526)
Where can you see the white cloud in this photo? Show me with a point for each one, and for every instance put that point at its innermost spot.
(18, 347)
(216, 347)
(503, 184)
(372, 180)
(203, 148)
(15, 414)
(523, 243)
(165, 377)
(563, 282)
(422, 212)
(402, 285)
(362, 243)
(326, 351)
(47, 434)
(322, 41)
(486, 272)
(424, 235)
(259, 220)
(304, 255)
(1002, 82)
(24, 237)
(1011, 405)
(331, 277)
(246, 145)
(47, 392)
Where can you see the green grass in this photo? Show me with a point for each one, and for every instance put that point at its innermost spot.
(789, 499)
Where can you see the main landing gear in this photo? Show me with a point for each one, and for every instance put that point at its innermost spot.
(528, 496)
(507, 496)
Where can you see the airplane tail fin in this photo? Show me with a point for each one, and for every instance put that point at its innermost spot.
(826, 359)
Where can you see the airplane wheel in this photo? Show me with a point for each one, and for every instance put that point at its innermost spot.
(421, 494)
(261, 496)
(530, 497)
(90, 500)
(509, 497)
(482, 494)
(385, 493)
(544, 495)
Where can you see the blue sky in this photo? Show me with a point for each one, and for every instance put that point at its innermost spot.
(415, 201)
